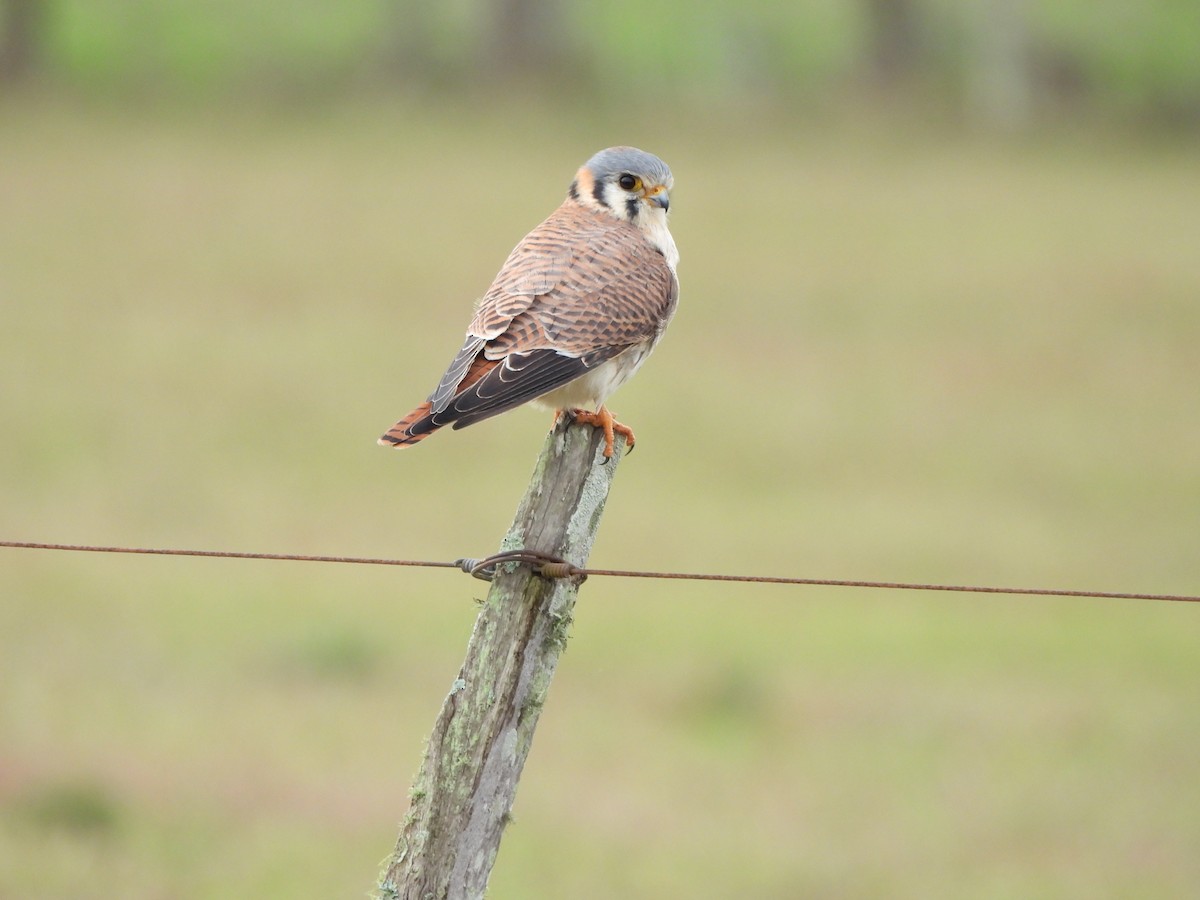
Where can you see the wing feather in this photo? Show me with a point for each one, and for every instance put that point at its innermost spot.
(444, 392)
(519, 379)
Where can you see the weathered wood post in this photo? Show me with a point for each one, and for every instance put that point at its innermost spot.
(462, 795)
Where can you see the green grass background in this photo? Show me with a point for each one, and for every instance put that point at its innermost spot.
(901, 353)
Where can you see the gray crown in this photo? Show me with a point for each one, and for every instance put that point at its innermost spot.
(616, 160)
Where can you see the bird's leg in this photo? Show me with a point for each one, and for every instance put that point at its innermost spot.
(563, 412)
(602, 418)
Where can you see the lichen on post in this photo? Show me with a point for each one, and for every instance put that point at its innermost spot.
(462, 796)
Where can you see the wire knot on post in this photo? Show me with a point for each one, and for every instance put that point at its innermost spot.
(543, 564)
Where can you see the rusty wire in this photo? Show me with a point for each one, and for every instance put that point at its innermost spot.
(227, 554)
(552, 567)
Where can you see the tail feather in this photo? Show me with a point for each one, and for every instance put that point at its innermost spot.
(424, 420)
(488, 387)
(414, 427)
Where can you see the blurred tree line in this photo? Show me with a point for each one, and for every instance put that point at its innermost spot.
(1004, 62)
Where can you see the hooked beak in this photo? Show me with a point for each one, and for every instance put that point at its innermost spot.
(658, 196)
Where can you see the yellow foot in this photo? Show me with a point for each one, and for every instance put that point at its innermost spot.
(602, 418)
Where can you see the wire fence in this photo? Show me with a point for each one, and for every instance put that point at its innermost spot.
(556, 568)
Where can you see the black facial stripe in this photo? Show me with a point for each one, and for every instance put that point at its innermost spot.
(598, 192)
(631, 207)
(573, 190)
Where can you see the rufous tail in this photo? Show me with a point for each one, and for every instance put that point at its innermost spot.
(414, 427)
(422, 421)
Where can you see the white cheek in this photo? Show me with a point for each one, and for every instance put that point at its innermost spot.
(615, 198)
(655, 227)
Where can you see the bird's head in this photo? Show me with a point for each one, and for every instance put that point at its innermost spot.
(625, 182)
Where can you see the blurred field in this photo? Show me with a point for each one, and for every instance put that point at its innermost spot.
(900, 354)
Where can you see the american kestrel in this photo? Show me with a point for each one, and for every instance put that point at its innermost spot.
(575, 309)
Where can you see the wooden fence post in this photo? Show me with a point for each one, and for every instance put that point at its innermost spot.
(461, 797)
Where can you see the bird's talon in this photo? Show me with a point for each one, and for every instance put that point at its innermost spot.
(604, 420)
(626, 432)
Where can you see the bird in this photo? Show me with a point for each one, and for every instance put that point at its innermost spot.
(574, 311)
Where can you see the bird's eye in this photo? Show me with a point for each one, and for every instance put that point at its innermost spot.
(629, 182)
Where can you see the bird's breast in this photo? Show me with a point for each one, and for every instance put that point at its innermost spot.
(659, 237)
